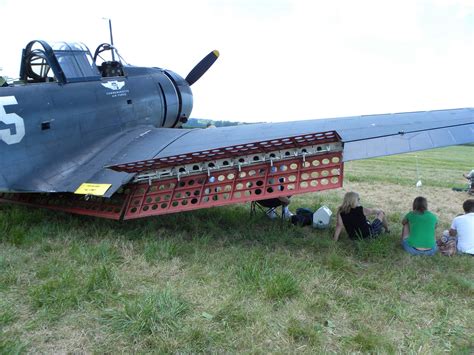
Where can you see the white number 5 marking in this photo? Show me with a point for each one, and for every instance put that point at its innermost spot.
(11, 118)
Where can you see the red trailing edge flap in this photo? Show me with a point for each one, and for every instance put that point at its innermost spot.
(233, 174)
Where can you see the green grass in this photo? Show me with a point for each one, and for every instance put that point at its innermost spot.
(219, 281)
(432, 167)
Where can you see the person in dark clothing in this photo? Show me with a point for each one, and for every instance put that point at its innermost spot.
(352, 216)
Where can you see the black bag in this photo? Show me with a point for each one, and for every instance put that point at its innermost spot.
(303, 217)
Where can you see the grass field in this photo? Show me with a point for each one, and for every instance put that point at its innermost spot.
(218, 281)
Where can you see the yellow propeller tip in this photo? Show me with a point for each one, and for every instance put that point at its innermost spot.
(216, 53)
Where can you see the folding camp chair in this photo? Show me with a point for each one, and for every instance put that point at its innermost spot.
(269, 207)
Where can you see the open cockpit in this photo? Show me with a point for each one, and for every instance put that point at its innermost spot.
(65, 62)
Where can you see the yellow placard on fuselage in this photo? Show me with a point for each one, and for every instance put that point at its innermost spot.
(92, 189)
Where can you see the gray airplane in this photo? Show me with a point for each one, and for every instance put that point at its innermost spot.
(106, 139)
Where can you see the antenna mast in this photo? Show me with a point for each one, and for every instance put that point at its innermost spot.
(111, 37)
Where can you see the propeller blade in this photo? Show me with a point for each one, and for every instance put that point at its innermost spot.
(202, 67)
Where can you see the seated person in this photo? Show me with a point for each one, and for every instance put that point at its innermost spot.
(470, 177)
(463, 228)
(418, 232)
(271, 203)
(353, 217)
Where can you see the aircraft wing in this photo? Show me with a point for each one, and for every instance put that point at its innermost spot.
(363, 136)
(115, 160)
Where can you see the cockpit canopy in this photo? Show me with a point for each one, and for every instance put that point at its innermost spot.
(62, 62)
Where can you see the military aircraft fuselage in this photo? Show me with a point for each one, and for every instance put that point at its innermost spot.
(99, 138)
(40, 122)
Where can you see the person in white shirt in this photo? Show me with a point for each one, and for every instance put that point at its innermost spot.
(463, 228)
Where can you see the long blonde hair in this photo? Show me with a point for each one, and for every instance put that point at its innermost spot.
(351, 200)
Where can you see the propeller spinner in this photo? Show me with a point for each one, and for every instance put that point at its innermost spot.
(202, 67)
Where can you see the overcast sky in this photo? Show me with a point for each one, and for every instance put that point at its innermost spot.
(281, 60)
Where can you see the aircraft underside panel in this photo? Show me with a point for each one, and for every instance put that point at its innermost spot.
(225, 187)
(257, 171)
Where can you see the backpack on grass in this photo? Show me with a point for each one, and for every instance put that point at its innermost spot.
(303, 217)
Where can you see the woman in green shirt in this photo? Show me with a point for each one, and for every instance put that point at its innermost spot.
(418, 233)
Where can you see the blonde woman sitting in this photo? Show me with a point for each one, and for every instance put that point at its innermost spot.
(352, 216)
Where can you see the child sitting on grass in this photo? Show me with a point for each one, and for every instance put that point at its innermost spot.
(418, 232)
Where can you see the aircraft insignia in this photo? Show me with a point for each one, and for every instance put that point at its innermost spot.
(114, 85)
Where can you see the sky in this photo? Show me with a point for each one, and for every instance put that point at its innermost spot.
(280, 60)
